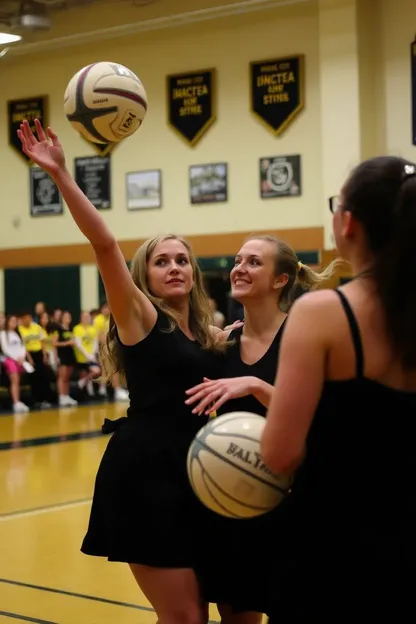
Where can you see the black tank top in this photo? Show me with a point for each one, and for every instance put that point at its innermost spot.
(265, 369)
(159, 369)
(354, 497)
(63, 336)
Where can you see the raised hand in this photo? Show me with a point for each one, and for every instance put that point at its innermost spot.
(45, 149)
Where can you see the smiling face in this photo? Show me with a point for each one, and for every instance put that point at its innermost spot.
(254, 272)
(169, 270)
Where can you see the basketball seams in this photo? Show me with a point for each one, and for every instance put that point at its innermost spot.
(230, 497)
(114, 122)
(135, 97)
(273, 486)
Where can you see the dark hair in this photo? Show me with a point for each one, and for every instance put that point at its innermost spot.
(381, 195)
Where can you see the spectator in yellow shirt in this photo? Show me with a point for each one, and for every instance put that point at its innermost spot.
(86, 352)
(102, 324)
(33, 338)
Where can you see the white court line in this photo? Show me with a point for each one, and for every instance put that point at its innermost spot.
(43, 510)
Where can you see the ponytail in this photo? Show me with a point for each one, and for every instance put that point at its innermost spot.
(309, 279)
(391, 271)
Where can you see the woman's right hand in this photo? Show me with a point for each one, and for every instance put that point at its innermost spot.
(47, 154)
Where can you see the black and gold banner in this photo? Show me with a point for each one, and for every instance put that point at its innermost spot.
(191, 103)
(277, 91)
(25, 108)
(413, 84)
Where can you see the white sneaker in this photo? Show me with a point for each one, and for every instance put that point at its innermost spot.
(121, 395)
(20, 408)
(67, 401)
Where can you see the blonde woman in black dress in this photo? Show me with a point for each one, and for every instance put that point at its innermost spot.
(144, 512)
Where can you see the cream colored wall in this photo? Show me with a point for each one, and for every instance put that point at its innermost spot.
(237, 137)
(396, 33)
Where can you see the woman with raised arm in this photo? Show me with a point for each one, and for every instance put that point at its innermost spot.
(144, 512)
(343, 412)
(233, 569)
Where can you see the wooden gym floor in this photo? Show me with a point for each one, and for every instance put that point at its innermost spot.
(48, 462)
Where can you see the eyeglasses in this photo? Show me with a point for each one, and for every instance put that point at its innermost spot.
(333, 203)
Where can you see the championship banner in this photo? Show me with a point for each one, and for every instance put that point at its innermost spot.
(191, 104)
(29, 109)
(413, 83)
(277, 91)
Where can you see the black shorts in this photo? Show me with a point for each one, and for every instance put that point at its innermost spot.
(86, 365)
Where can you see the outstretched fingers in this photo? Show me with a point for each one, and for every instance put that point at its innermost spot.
(53, 137)
(40, 131)
(25, 146)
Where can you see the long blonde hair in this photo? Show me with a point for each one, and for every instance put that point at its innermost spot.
(200, 315)
(298, 273)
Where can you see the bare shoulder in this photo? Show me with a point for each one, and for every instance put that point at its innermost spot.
(315, 310)
(315, 300)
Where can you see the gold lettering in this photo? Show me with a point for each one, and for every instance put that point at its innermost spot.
(190, 101)
(268, 68)
(276, 98)
(184, 81)
(30, 115)
(188, 92)
(276, 78)
(275, 88)
(184, 111)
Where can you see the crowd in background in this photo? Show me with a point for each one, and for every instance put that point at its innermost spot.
(58, 356)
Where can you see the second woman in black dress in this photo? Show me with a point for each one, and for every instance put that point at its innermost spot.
(233, 571)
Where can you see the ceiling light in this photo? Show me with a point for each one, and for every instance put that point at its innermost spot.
(8, 38)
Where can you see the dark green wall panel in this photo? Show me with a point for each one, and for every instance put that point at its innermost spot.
(56, 286)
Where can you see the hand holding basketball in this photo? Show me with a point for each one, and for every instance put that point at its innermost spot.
(46, 153)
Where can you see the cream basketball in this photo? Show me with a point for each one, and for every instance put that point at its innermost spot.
(105, 102)
(226, 470)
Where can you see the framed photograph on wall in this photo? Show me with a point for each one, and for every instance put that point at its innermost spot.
(280, 176)
(45, 198)
(208, 184)
(144, 189)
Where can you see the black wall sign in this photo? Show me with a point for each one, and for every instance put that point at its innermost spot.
(29, 109)
(280, 176)
(413, 83)
(277, 91)
(93, 176)
(191, 103)
(45, 198)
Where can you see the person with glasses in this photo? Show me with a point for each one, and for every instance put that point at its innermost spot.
(343, 417)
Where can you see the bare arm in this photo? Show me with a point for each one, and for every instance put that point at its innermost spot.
(298, 385)
(261, 390)
(133, 313)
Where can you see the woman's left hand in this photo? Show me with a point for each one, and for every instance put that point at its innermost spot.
(211, 394)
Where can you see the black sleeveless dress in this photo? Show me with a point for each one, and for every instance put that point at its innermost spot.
(349, 553)
(234, 561)
(144, 510)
